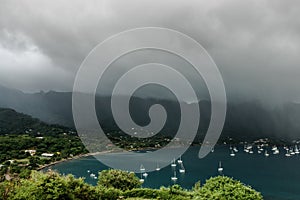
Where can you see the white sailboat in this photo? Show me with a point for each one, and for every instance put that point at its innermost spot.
(145, 175)
(248, 148)
(235, 149)
(157, 167)
(232, 154)
(182, 169)
(141, 179)
(276, 152)
(92, 175)
(287, 153)
(220, 169)
(173, 163)
(174, 178)
(274, 148)
(266, 153)
(296, 150)
(259, 151)
(179, 161)
(142, 168)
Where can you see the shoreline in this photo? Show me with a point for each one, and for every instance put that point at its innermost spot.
(88, 154)
(71, 158)
(93, 154)
(113, 151)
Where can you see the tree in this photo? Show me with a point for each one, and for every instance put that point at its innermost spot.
(118, 179)
(53, 186)
(222, 187)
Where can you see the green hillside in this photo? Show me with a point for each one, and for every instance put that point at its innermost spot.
(24, 142)
(12, 122)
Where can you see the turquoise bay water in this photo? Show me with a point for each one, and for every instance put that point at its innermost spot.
(277, 177)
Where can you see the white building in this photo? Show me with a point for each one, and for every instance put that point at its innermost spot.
(31, 151)
(47, 154)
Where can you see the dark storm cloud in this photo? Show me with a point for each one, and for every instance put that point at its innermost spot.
(256, 44)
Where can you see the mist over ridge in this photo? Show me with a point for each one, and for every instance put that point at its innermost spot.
(245, 120)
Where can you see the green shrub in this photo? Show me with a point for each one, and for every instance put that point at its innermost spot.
(104, 193)
(25, 173)
(142, 192)
(222, 187)
(53, 186)
(118, 179)
(163, 193)
(6, 189)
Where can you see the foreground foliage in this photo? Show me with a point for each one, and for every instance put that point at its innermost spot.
(118, 179)
(223, 187)
(116, 184)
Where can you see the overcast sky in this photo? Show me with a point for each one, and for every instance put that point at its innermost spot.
(255, 43)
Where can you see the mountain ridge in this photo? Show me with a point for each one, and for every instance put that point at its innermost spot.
(15, 123)
(245, 120)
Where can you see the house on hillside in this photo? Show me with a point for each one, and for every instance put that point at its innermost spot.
(48, 155)
(32, 152)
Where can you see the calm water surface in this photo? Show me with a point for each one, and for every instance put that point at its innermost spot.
(276, 176)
